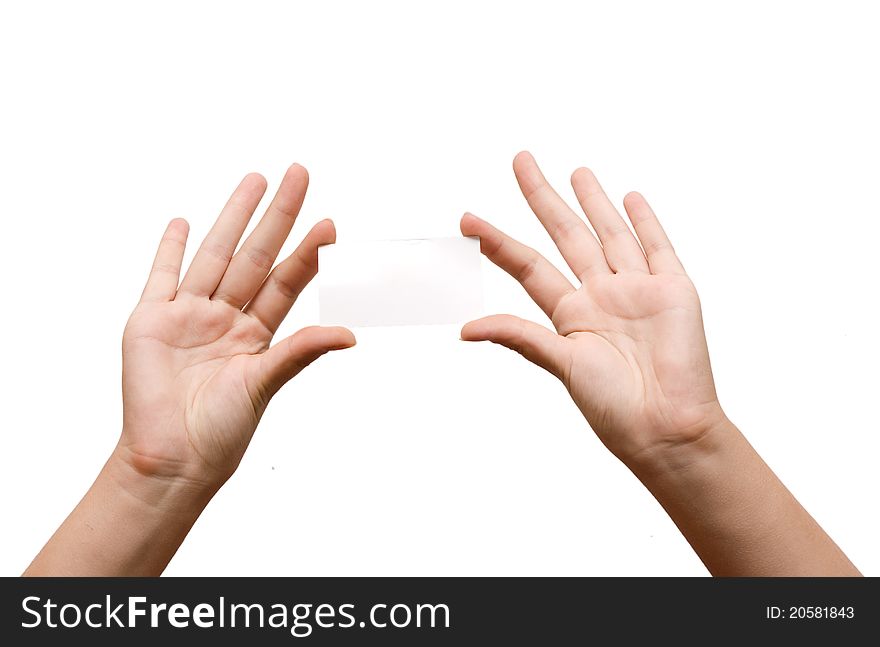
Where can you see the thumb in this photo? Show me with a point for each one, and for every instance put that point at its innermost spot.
(291, 355)
(533, 341)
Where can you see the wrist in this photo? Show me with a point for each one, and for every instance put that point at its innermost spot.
(705, 445)
(163, 491)
(737, 515)
(127, 524)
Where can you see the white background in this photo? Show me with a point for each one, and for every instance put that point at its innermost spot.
(752, 130)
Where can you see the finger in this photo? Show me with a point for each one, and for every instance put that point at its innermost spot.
(575, 241)
(620, 247)
(213, 257)
(291, 355)
(661, 256)
(540, 278)
(533, 341)
(165, 273)
(283, 285)
(250, 265)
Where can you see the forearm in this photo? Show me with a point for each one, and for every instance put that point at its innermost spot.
(737, 515)
(127, 524)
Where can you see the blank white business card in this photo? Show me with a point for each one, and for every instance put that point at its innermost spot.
(400, 282)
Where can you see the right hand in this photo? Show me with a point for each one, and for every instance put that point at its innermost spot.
(198, 367)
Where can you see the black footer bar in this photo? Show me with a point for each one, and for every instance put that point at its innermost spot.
(432, 611)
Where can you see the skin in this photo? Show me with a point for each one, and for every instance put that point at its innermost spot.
(199, 369)
(629, 346)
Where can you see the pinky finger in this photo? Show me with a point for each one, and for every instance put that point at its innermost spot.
(533, 341)
(165, 274)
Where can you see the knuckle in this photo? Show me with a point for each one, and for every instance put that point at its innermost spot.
(613, 231)
(536, 190)
(496, 248)
(219, 251)
(170, 239)
(527, 269)
(285, 287)
(563, 229)
(654, 246)
(259, 257)
(164, 268)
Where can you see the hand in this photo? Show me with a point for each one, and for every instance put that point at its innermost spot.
(198, 368)
(629, 342)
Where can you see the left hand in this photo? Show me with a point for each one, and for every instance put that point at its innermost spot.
(629, 342)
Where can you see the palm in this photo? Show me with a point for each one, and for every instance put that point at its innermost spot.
(640, 336)
(198, 368)
(629, 343)
(206, 353)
